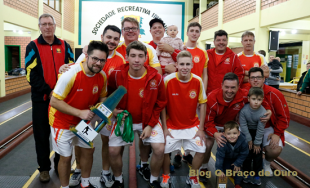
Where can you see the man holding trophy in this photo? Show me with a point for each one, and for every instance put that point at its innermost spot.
(82, 86)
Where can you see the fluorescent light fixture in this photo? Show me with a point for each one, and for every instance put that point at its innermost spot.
(294, 31)
(282, 33)
(14, 31)
(20, 32)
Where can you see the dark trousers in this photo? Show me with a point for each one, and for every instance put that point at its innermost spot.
(41, 133)
(257, 158)
(227, 165)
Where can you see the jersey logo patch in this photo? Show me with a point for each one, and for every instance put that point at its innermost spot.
(227, 61)
(111, 70)
(256, 64)
(95, 89)
(196, 59)
(192, 94)
(154, 133)
(237, 106)
(153, 83)
(109, 127)
(58, 50)
(199, 143)
(141, 92)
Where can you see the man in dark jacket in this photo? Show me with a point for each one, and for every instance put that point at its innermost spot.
(43, 58)
(301, 80)
(232, 155)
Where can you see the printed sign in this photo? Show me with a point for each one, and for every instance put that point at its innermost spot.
(86, 131)
(105, 111)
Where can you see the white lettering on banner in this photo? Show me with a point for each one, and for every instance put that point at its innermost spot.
(86, 131)
(222, 185)
(105, 111)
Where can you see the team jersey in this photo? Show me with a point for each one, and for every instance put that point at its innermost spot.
(249, 61)
(200, 60)
(218, 58)
(135, 96)
(78, 90)
(182, 101)
(152, 59)
(113, 61)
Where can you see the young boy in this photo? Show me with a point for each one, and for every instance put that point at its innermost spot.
(253, 129)
(182, 124)
(234, 152)
(175, 42)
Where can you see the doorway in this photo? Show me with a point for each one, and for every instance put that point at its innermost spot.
(12, 57)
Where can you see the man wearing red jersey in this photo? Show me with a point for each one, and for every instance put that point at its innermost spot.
(221, 61)
(273, 140)
(224, 105)
(131, 31)
(111, 37)
(249, 58)
(145, 99)
(82, 86)
(183, 123)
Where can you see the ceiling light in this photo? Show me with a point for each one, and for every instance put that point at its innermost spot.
(20, 32)
(282, 33)
(14, 31)
(294, 31)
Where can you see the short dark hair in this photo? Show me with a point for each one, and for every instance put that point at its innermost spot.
(97, 45)
(257, 91)
(262, 52)
(231, 125)
(308, 62)
(137, 45)
(112, 28)
(220, 33)
(256, 69)
(194, 24)
(231, 76)
(156, 20)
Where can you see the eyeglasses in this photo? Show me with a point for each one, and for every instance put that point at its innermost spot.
(257, 78)
(47, 24)
(133, 29)
(96, 59)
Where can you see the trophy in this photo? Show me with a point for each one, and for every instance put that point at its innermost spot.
(88, 130)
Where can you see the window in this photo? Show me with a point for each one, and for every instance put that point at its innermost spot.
(55, 4)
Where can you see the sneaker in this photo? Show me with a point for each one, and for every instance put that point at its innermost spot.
(237, 186)
(75, 179)
(44, 176)
(154, 184)
(177, 161)
(165, 181)
(256, 180)
(145, 172)
(192, 181)
(118, 184)
(203, 179)
(89, 186)
(268, 169)
(106, 179)
(248, 179)
(188, 159)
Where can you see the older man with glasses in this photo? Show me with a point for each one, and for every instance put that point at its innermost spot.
(43, 58)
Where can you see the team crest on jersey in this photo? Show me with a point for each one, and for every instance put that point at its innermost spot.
(95, 89)
(154, 133)
(111, 70)
(153, 83)
(227, 61)
(192, 94)
(58, 50)
(256, 64)
(109, 127)
(199, 143)
(237, 106)
(196, 59)
(141, 92)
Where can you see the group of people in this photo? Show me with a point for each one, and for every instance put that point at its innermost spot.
(188, 99)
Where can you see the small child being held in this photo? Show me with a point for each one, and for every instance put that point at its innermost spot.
(253, 128)
(234, 152)
(177, 43)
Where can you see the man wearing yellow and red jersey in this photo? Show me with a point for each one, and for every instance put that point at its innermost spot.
(181, 124)
(249, 58)
(145, 99)
(130, 31)
(111, 37)
(82, 86)
(221, 61)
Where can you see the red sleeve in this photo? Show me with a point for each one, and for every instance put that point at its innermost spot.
(210, 116)
(160, 103)
(238, 69)
(174, 54)
(281, 114)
